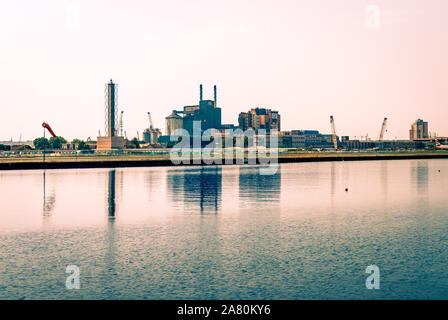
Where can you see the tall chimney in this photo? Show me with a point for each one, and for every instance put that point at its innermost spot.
(200, 92)
(214, 89)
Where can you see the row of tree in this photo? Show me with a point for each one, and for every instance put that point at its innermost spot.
(57, 142)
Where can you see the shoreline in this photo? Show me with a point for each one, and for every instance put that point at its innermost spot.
(122, 161)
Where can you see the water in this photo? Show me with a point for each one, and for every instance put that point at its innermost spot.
(227, 232)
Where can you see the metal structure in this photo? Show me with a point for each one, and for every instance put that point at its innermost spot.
(215, 96)
(111, 109)
(111, 139)
(150, 121)
(333, 132)
(121, 123)
(383, 130)
(47, 126)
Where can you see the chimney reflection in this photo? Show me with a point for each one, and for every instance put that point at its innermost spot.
(196, 187)
(111, 194)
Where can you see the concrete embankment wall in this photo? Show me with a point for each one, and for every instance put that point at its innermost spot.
(118, 162)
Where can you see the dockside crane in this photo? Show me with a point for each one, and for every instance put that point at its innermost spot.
(383, 130)
(333, 132)
(47, 126)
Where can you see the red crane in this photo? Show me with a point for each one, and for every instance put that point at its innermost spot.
(47, 126)
(333, 132)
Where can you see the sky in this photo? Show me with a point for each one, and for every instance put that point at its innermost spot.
(307, 59)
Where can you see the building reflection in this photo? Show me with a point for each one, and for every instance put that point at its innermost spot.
(258, 187)
(196, 188)
(419, 176)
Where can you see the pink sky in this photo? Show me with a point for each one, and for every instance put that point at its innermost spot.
(306, 59)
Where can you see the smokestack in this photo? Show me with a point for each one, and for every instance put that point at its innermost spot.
(200, 92)
(214, 89)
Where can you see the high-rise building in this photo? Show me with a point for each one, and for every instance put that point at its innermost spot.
(419, 130)
(259, 118)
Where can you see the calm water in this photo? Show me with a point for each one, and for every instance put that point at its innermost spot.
(227, 232)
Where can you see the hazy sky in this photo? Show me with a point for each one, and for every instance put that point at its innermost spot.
(307, 59)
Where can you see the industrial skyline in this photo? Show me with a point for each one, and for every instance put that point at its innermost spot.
(305, 59)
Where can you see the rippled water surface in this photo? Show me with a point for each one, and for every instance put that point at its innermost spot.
(227, 232)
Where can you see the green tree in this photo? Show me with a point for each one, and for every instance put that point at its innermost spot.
(56, 142)
(83, 146)
(80, 144)
(135, 142)
(41, 143)
(76, 141)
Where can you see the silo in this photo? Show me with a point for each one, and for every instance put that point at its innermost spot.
(173, 122)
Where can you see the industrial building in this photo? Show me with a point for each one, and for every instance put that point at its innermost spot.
(111, 140)
(206, 112)
(259, 118)
(305, 139)
(419, 130)
(173, 122)
(151, 135)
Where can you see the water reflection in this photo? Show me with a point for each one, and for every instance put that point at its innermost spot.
(384, 179)
(332, 180)
(48, 200)
(257, 187)
(111, 195)
(196, 187)
(419, 176)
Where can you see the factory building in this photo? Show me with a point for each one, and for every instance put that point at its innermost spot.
(259, 118)
(419, 130)
(206, 112)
